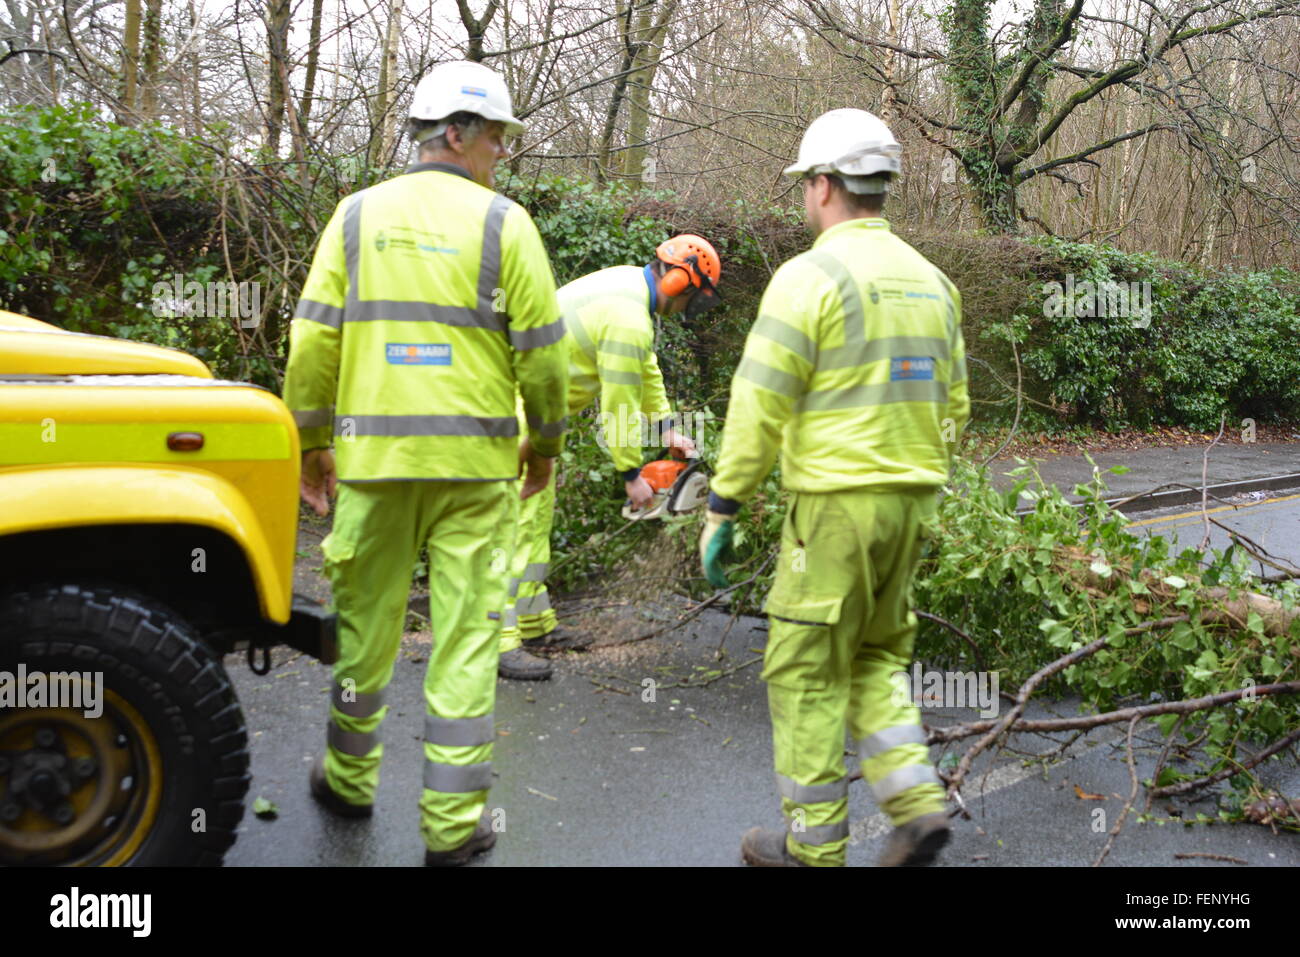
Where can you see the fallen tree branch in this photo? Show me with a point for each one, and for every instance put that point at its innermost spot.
(1060, 664)
(1183, 787)
(1087, 722)
(1132, 795)
(1160, 762)
(979, 659)
(1220, 608)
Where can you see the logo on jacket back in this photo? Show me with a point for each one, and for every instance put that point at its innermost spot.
(380, 241)
(911, 367)
(418, 354)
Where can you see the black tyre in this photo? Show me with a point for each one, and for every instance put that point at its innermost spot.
(159, 777)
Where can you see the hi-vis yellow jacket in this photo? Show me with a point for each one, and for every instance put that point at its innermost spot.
(607, 315)
(855, 370)
(429, 301)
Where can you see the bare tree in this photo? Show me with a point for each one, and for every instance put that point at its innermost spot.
(1014, 92)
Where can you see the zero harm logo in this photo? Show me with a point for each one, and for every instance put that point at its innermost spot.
(417, 354)
(902, 368)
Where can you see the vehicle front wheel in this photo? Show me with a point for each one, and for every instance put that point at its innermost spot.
(121, 739)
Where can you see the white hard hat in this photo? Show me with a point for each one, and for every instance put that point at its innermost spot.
(849, 143)
(464, 86)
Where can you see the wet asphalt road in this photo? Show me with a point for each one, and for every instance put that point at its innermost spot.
(586, 775)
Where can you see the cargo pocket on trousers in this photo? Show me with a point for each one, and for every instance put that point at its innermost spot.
(799, 644)
(336, 552)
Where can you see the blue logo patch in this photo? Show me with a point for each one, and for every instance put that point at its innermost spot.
(418, 354)
(474, 90)
(902, 368)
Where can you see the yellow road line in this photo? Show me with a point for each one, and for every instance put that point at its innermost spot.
(1211, 511)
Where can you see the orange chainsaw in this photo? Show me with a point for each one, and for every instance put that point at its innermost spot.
(679, 486)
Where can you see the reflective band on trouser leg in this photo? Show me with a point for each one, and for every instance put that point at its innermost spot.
(892, 749)
(528, 611)
(815, 607)
(890, 738)
(354, 743)
(370, 574)
(458, 778)
(808, 747)
(458, 732)
(347, 700)
(895, 759)
(802, 804)
(470, 523)
(903, 779)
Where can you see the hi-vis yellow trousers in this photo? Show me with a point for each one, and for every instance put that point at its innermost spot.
(369, 557)
(841, 626)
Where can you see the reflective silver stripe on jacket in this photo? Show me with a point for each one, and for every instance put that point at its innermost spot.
(768, 377)
(855, 318)
(352, 742)
(535, 572)
(457, 778)
(533, 604)
(819, 833)
(494, 427)
(548, 430)
(858, 350)
(510, 618)
(360, 705)
(879, 393)
(887, 738)
(459, 732)
(812, 793)
(618, 377)
(413, 310)
(896, 782)
(884, 347)
(321, 312)
(616, 348)
(535, 338)
(312, 418)
(782, 333)
(482, 315)
(580, 334)
(352, 247)
(489, 263)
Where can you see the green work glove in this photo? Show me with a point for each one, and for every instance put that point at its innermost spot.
(715, 547)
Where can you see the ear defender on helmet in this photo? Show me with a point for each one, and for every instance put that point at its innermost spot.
(695, 269)
(676, 281)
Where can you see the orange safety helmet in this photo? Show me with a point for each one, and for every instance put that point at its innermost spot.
(696, 264)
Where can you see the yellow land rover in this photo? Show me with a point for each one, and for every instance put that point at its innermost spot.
(148, 515)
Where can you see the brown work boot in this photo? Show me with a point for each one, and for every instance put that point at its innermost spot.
(519, 665)
(325, 796)
(916, 843)
(560, 639)
(763, 847)
(481, 840)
